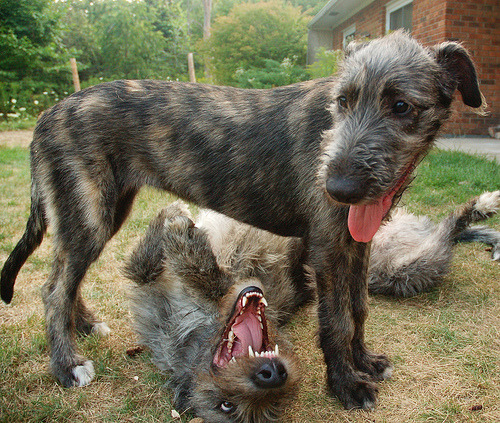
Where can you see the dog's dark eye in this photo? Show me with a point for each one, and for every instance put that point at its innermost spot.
(342, 102)
(401, 108)
(226, 407)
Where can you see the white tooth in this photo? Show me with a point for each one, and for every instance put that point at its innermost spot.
(276, 350)
(263, 301)
(262, 326)
(233, 360)
(244, 301)
(231, 336)
(259, 317)
(250, 351)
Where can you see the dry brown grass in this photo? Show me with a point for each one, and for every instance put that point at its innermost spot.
(444, 344)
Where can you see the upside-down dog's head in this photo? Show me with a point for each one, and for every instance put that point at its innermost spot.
(252, 374)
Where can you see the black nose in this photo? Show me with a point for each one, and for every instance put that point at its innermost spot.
(345, 190)
(271, 374)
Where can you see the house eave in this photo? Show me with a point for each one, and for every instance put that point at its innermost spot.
(335, 12)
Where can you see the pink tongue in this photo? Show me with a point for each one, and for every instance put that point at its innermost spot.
(248, 331)
(364, 221)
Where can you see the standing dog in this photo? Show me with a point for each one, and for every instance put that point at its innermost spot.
(207, 322)
(323, 160)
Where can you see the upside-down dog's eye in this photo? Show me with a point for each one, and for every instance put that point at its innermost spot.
(401, 108)
(342, 102)
(226, 407)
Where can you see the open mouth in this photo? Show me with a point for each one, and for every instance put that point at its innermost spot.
(365, 220)
(245, 334)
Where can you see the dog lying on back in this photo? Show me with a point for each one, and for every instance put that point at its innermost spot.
(192, 283)
(207, 322)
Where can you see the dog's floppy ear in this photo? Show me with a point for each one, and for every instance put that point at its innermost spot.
(458, 65)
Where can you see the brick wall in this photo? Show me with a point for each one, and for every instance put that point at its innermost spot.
(474, 23)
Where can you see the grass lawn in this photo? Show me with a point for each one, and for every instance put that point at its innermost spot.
(445, 344)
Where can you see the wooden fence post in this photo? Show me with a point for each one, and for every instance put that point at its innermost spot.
(192, 75)
(74, 71)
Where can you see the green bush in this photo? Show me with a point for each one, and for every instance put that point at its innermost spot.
(326, 63)
(273, 74)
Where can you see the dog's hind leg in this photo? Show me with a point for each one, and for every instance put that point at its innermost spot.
(85, 216)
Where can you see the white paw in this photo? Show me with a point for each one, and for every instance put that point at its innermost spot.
(387, 373)
(83, 374)
(488, 202)
(101, 329)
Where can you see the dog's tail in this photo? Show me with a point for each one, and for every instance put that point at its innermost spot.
(31, 239)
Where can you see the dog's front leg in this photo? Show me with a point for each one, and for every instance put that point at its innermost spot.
(340, 268)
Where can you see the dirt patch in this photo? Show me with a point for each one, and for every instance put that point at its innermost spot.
(16, 138)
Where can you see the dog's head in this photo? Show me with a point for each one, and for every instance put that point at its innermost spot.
(391, 99)
(252, 375)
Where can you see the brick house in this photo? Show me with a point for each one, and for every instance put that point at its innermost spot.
(475, 23)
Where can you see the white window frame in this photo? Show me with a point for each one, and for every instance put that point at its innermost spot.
(350, 30)
(392, 7)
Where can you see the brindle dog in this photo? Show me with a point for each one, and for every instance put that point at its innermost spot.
(206, 320)
(324, 160)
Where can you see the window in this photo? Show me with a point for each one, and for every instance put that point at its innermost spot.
(399, 15)
(348, 35)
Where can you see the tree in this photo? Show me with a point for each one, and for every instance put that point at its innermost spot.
(252, 34)
(32, 58)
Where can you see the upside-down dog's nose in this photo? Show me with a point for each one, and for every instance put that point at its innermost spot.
(345, 190)
(271, 374)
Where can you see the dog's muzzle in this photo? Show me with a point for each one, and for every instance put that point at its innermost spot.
(344, 190)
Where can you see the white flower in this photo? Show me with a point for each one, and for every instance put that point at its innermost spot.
(22, 109)
(13, 101)
(36, 102)
(45, 93)
(13, 115)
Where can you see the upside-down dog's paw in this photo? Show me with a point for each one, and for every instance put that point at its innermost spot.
(355, 391)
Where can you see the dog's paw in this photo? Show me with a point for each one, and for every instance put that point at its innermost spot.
(101, 329)
(83, 375)
(356, 391)
(488, 203)
(377, 366)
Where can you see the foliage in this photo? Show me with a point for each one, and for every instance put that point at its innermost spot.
(33, 60)
(252, 34)
(273, 74)
(326, 63)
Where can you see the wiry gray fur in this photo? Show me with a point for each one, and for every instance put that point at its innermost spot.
(410, 254)
(292, 160)
(181, 298)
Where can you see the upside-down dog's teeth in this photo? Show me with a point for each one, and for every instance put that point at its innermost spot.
(276, 350)
(233, 360)
(259, 317)
(250, 351)
(244, 301)
(263, 301)
(231, 336)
